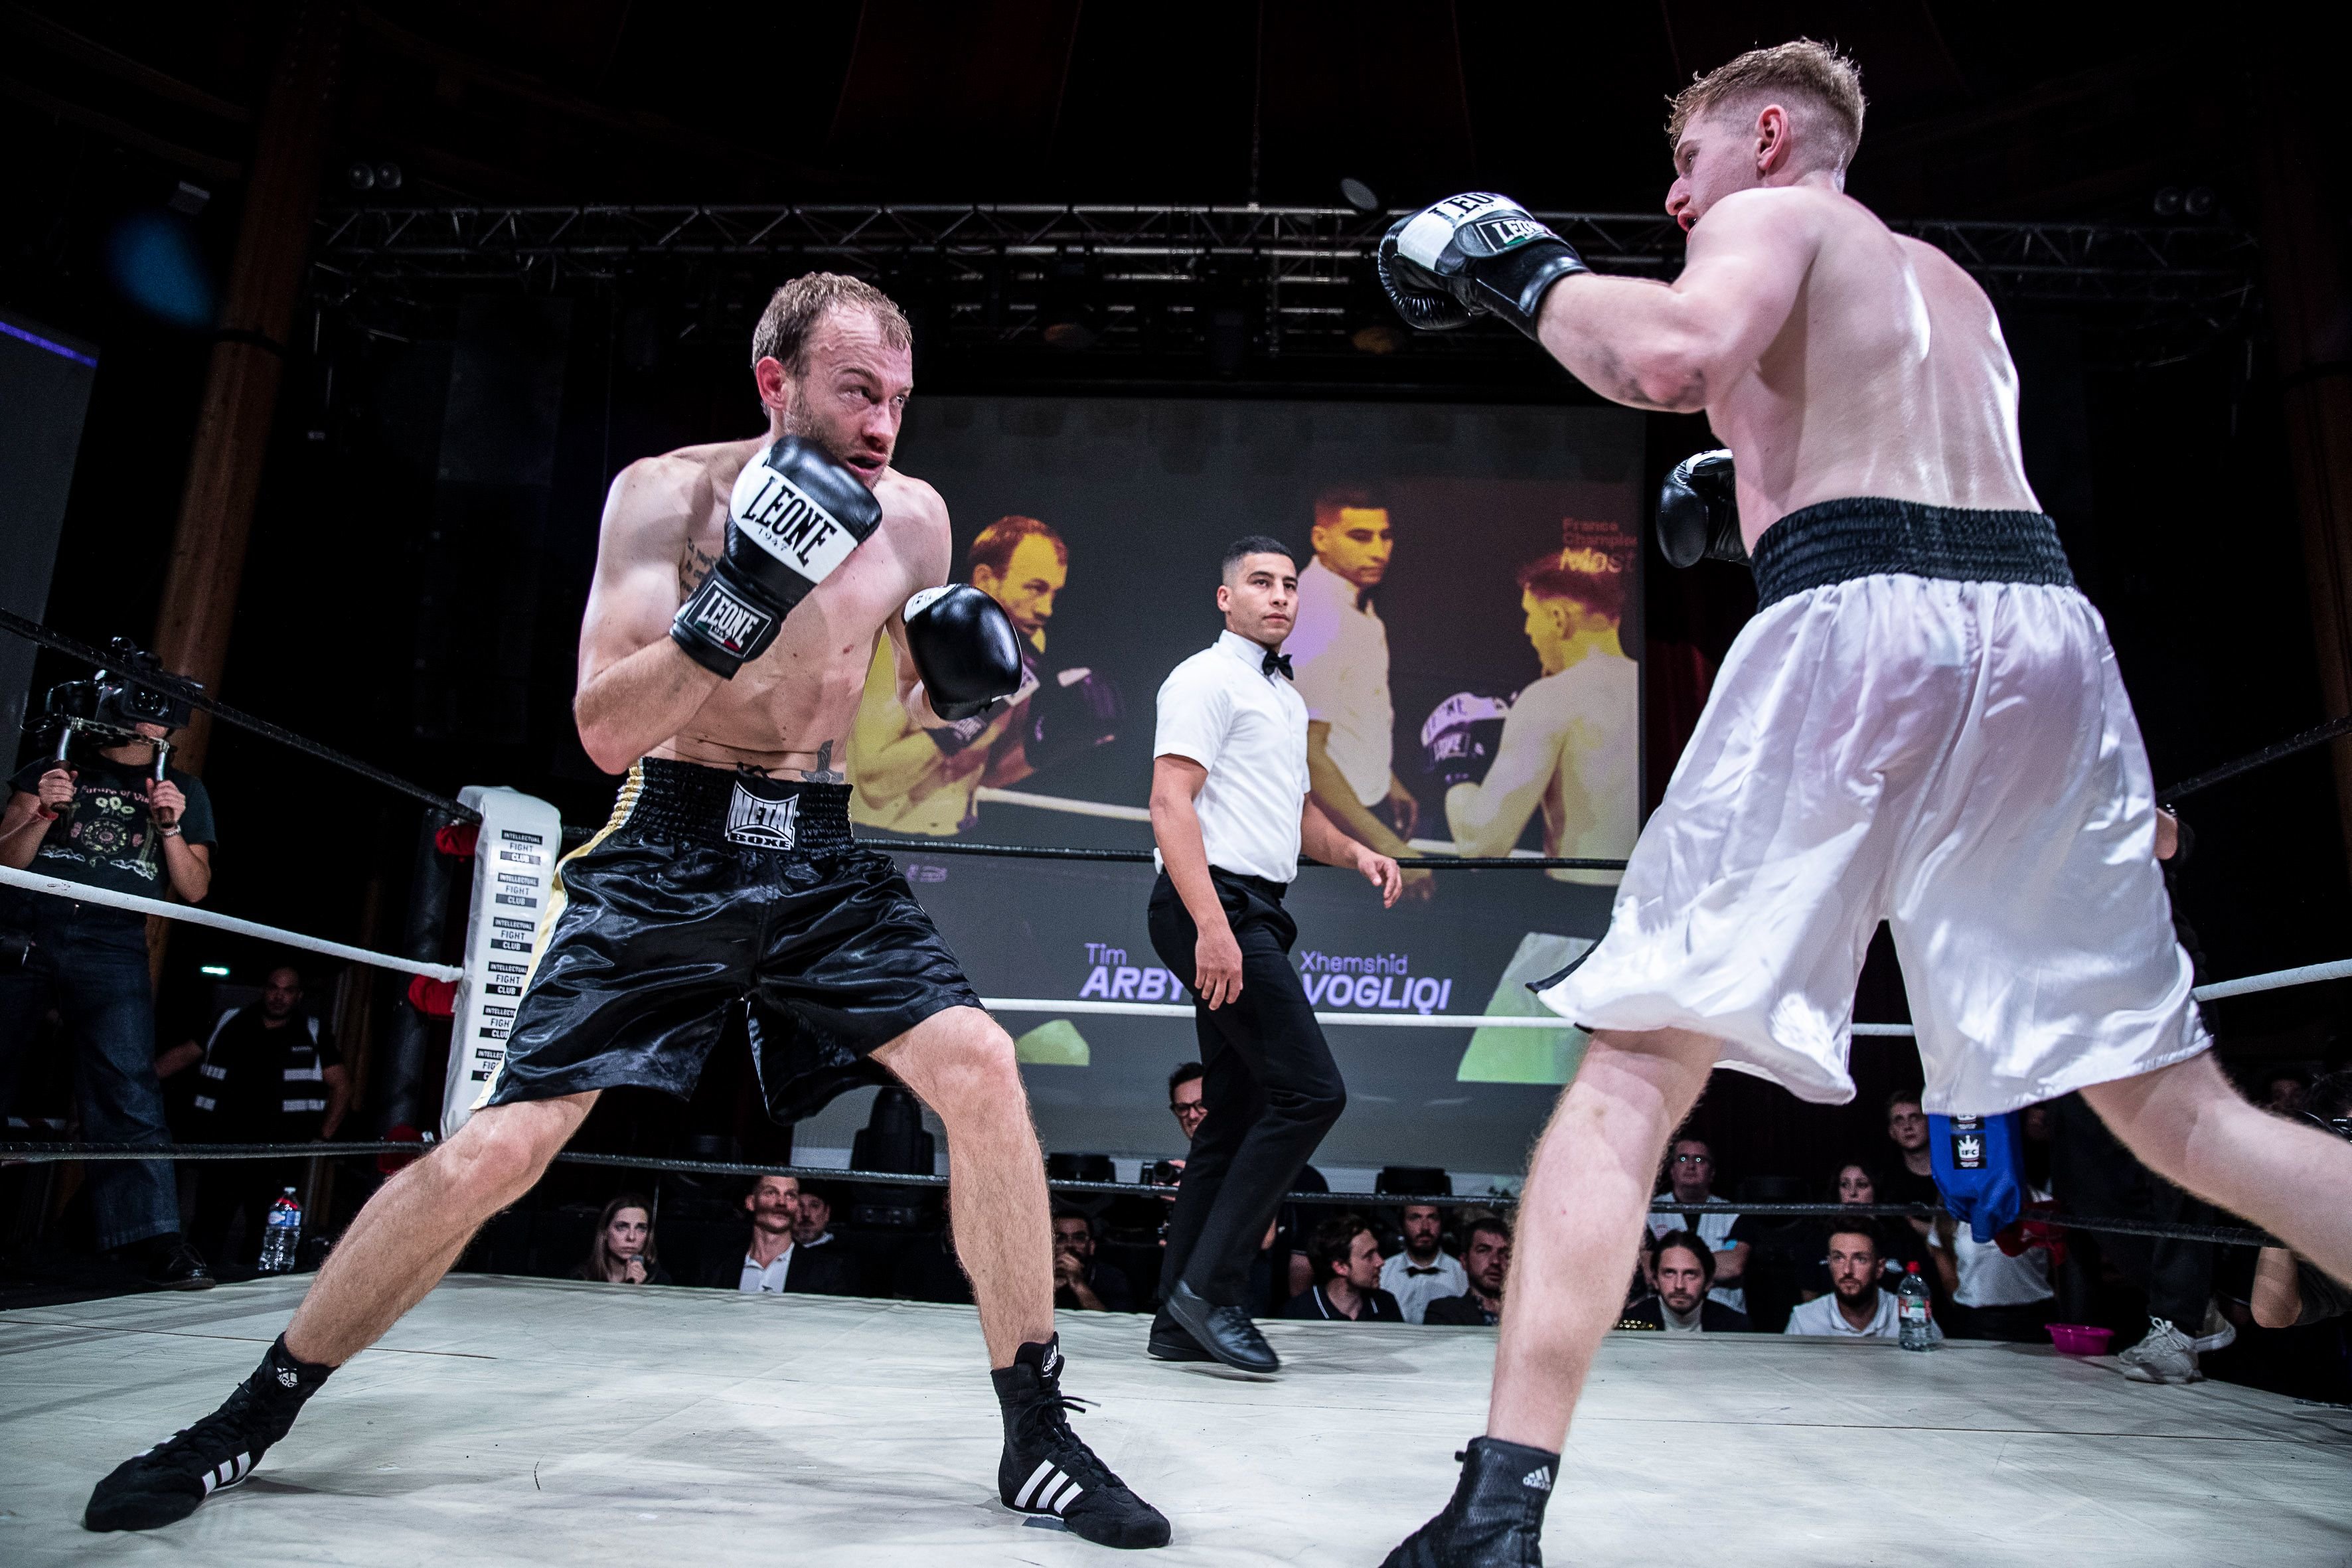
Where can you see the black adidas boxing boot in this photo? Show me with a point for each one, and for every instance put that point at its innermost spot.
(1047, 1470)
(1496, 1519)
(164, 1484)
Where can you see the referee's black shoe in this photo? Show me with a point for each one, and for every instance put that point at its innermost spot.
(1495, 1519)
(1225, 1332)
(1047, 1470)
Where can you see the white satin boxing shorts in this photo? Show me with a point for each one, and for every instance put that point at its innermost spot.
(1923, 724)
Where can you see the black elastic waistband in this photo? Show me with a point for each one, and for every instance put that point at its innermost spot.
(665, 801)
(1868, 536)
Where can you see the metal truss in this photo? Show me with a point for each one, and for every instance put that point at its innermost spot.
(1145, 275)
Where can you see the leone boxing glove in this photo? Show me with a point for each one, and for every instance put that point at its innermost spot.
(1472, 255)
(793, 517)
(965, 649)
(1698, 511)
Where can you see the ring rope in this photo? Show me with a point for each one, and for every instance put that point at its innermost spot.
(187, 691)
(2316, 735)
(82, 892)
(58, 1153)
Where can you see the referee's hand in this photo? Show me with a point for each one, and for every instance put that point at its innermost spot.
(1382, 873)
(1217, 965)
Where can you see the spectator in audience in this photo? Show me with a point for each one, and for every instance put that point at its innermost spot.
(1081, 1282)
(2092, 1173)
(1184, 1100)
(1994, 1295)
(1486, 1260)
(773, 1263)
(623, 1252)
(1856, 1306)
(108, 822)
(1346, 1258)
(1911, 1179)
(1690, 1178)
(2289, 1292)
(813, 1218)
(267, 1074)
(1857, 1183)
(1685, 1271)
(1425, 1271)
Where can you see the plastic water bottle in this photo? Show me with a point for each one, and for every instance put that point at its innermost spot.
(279, 1237)
(1915, 1309)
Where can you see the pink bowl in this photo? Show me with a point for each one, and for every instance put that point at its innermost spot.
(2080, 1339)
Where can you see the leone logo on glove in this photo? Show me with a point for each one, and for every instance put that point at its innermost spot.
(1502, 233)
(787, 524)
(729, 621)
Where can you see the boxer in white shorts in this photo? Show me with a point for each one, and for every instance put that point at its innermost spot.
(1923, 724)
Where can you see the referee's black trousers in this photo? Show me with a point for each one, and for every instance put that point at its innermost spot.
(1270, 1090)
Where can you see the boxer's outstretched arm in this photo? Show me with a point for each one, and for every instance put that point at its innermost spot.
(1676, 346)
(637, 688)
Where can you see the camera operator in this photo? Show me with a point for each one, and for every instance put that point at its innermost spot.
(99, 809)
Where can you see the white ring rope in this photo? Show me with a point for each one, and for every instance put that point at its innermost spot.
(1065, 804)
(82, 892)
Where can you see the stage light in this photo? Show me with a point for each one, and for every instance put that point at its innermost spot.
(217, 971)
(154, 259)
(1360, 196)
(189, 200)
(361, 176)
(387, 176)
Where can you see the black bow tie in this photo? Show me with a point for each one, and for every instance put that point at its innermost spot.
(1276, 662)
(1414, 1272)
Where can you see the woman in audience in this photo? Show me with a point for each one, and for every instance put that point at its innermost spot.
(623, 1252)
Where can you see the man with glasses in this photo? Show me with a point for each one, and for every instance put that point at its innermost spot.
(1184, 1099)
(1690, 1178)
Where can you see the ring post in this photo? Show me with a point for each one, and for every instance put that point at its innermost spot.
(506, 921)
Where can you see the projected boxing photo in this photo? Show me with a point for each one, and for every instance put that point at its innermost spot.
(1465, 643)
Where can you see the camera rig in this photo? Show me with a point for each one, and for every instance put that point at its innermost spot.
(134, 689)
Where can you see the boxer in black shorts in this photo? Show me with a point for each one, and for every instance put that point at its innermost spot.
(740, 590)
(692, 901)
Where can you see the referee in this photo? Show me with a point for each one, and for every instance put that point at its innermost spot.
(1231, 811)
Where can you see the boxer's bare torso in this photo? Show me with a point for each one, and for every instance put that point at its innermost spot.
(1834, 357)
(1888, 377)
(787, 713)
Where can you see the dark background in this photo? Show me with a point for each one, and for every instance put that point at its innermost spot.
(415, 577)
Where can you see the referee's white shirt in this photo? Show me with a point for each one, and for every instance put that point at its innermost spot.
(1221, 709)
(1340, 650)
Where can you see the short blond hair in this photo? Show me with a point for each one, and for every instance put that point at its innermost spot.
(1816, 74)
(795, 309)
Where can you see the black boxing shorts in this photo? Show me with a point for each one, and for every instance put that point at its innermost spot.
(710, 891)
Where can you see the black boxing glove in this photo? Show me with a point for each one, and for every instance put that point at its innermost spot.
(1472, 255)
(964, 648)
(794, 516)
(1698, 511)
(1073, 711)
(1461, 735)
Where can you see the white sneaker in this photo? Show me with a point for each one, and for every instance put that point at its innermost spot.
(2166, 1355)
(2216, 1332)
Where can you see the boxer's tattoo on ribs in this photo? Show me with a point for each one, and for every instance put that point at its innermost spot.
(825, 772)
(693, 567)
